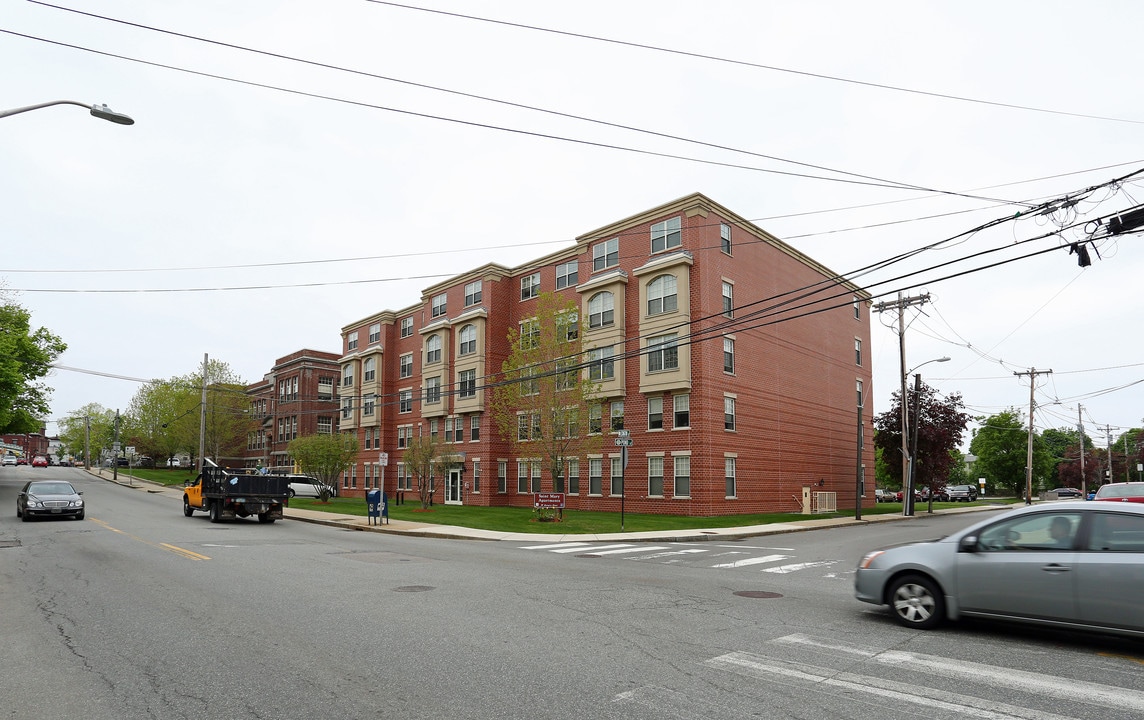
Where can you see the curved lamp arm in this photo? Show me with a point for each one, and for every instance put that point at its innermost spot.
(100, 111)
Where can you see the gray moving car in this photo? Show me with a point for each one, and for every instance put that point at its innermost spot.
(1069, 564)
(49, 498)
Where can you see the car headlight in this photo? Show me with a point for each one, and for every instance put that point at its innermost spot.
(77, 503)
(869, 558)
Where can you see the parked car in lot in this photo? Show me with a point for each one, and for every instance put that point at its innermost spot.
(1129, 492)
(1067, 493)
(900, 494)
(306, 486)
(881, 495)
(961, 493)
(1059, 564)
(49, 498)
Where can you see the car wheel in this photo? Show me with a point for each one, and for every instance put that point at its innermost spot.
(916, 602)
(265, 518)
(292, 492)
(215, 513)
(187, 509)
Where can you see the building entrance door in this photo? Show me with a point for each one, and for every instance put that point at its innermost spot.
(453, 487)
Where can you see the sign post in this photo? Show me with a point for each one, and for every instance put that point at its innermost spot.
(623, 441)
(383, 460)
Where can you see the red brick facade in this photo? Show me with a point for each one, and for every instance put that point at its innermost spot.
(297, 397)
(798, 341)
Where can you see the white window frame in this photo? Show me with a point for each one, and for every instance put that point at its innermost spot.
(375, 333)
(406, 326)
(728, 299)
(605, 254)
(654, 408)
(601, 310)
(567, 274)
(433, 349)
(663, 353)
(439, 305)
(667, 234)
(405, 366)
(725, 237)
(676, 411)
(655, 476)
(467, 338)
(730, 419)
(530, 286)
(729, 355)
(678, 463)
(601, 363)
(473, 292)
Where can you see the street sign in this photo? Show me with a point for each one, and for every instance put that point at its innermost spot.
(624, 433)
(383, 459)
(623, 442)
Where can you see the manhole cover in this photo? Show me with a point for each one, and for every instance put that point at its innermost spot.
(758, 594)
(9, 543)
(414, 588)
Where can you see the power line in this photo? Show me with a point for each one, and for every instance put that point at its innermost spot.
(744, 63)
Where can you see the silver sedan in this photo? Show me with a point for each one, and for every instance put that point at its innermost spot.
(1064, 564)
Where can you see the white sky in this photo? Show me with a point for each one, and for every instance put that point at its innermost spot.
(226, 185)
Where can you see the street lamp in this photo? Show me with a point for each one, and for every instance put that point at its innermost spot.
(100, 111)
(912, 449)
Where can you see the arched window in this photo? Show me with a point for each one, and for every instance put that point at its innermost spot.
(601, 309)
(367, 370)
(433, 349)
(661, 296)
(468, 340)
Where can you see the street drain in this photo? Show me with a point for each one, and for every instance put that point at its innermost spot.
(414, 588)
(763, 594)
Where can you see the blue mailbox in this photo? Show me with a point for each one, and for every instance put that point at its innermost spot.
(377, 505)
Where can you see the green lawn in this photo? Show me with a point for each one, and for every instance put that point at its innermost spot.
(504, 519)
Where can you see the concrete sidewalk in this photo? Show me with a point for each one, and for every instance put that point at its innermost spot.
(425, 529)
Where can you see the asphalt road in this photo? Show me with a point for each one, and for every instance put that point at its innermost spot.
(139, 612)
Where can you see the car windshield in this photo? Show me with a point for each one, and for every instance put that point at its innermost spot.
(51, 488)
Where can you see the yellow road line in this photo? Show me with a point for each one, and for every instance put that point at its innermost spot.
(190, 555)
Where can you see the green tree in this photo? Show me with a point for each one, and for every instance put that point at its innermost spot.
(421, 461)
(26, 356)
(1001, 446)
(162, 419)
(324, 457)
(228, 420)
(940, 426)
(90, 421)
(541, 403)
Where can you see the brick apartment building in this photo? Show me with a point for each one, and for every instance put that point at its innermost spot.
(761, 397)
(297, 397)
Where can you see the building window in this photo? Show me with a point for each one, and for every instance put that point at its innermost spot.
(595, 419)
(857, 352)
(368, 371)
(861, 402)
(434, 432)
(601, 366)
(347, 412)
(661, 295)
(567, 274)
(432, 390)
(617, 415)
(728, 299)
(682, 405)
(375, 333)
(325, 388)
(433, 349)
(665, 235)
(729, 476)
(405, 401)
(655, 477)
(605, 254)
(459, 431)
(595, 476)
(567, 326)
(573, 476)
(535, 464)
(728, 355)
(368, 438)
(725, 237)
(468, 339)
(601, 310)
(405, 366)
(502, 476)
(438, 305)
(530, 381)
(401, 436)
(530, 334)
(473, 293)
(476, 475)
(468, 383)
(367, 406)
(348, 375)
(662, 353)
(475, 427)
(352, 341)
(728, 413)
(325, 425)
(655, 413)
(530, 286)
(857, 308)
(521, 477)
(448, 429)
(682, 476)
(617, 476)
(406, 327)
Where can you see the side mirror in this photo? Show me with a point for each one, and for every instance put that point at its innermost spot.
(967, 544)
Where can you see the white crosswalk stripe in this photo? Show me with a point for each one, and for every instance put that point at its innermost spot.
(679, 552)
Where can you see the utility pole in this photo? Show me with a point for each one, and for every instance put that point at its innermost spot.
(203, 417)
(87, 442)
(1080, 432)
(115, 450)
(900, 305)
(1108, 434)
(1033, 373)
